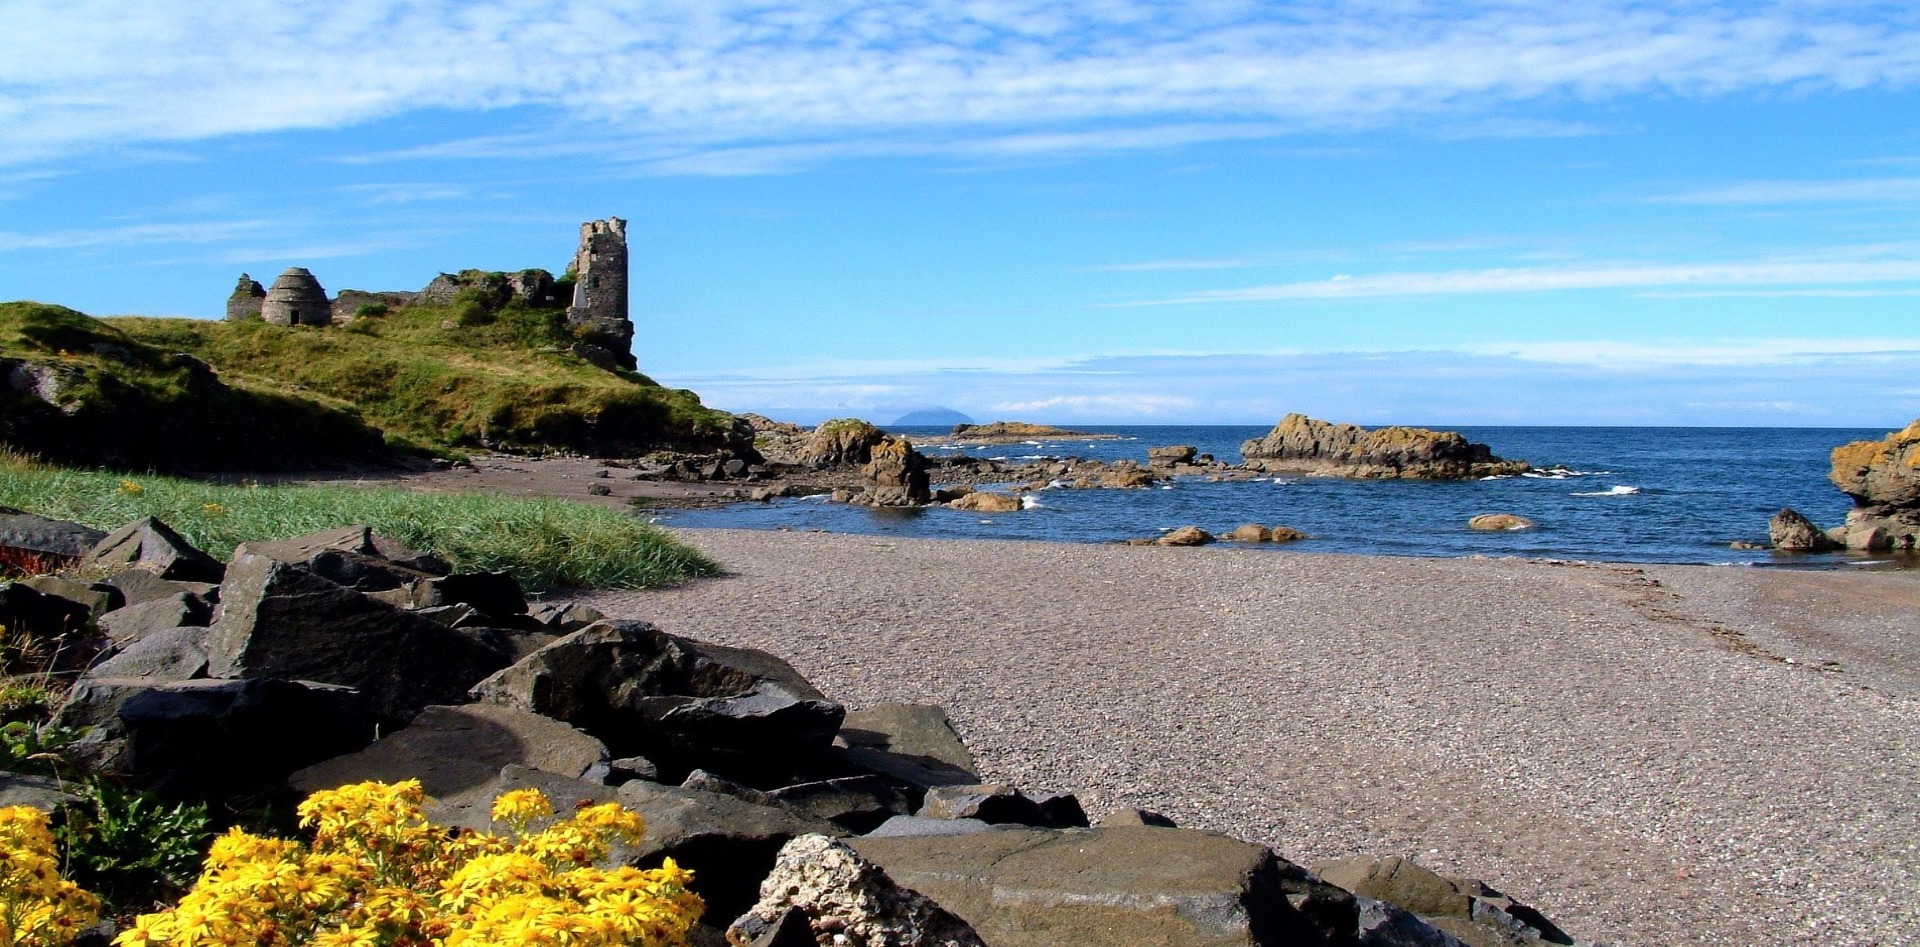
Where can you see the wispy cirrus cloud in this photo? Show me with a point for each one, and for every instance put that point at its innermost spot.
(1028, 76)
(1858, 190)
(133, 235)
(1559, 279)
(1838, 382)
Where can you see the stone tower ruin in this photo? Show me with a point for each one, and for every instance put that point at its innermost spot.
(296, 299)
(246, 299)
(600, 288)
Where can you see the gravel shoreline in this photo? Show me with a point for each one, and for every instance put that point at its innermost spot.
(1651, 755)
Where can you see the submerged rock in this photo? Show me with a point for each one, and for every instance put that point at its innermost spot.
(1499, 522)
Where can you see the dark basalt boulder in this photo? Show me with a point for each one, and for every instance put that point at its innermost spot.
(353, 556)
(684, 704)
(1109, 887)
(1466, 909)
(914, 744)
(153, 546)
(134, 622)
(46, 632)
(856, 803)
(167, 654)
(1000, 805)
(453, 749)
(45, 536)
(207, 739)
(283, 621)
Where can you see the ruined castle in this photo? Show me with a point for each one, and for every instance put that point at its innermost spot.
(598, 309)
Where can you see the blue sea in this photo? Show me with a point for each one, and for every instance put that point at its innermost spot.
(1630, 494)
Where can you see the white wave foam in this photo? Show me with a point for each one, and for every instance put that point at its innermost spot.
(1618, 490)
(1561, 473)
(1029, 503)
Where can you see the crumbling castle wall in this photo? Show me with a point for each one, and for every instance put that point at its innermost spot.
(600, 288)
(246, 299)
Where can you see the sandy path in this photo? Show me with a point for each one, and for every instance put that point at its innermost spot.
(1628, 749)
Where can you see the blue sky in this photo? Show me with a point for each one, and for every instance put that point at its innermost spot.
(1105, 211)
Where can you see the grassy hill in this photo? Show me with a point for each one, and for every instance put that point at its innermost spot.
(463, 375)
(76, 390)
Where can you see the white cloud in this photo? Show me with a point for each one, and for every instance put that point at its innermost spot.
(133, 235)
(1561, 279)
(1020, 76)
(1859, 190)
(1783, 381)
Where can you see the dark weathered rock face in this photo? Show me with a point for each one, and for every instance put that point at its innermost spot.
(454, 749)
(896, 475)
(843, 441)
(150, 544)
(282, 621)
(914, 744)
(206, 739)
(45, 631)
(728, 843)
(681, 703)
(27, 532)
(166, 654)
(841, 895)
(1883, 477)
(1465, 909)
(1304, 445)
(1116, 887)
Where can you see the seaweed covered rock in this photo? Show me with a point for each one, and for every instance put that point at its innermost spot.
(1300, 444)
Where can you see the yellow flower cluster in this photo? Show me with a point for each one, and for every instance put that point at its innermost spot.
(377, 875)
(38, 908)
(132, 488)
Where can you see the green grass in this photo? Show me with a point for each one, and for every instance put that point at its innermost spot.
(456, 376)
(543, 543)
(101, 396)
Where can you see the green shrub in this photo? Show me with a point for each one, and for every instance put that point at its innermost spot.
(130, 848)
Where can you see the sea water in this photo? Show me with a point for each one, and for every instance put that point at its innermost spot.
(1628, 494)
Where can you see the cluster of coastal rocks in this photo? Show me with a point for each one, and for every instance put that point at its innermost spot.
(858, 462)
(340, 657)
(1883, 478)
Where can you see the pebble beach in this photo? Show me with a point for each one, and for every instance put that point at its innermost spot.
(1649, 754)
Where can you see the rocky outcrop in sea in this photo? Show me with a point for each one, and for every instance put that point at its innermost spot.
(1300, 444)
(1883, 478)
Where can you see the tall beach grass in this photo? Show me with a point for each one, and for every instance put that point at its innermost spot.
(545, 544)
